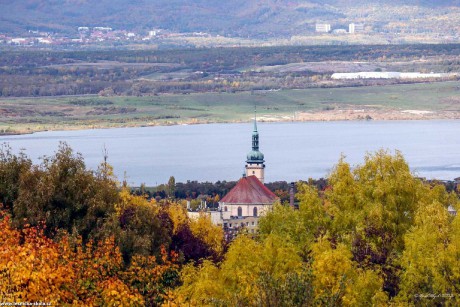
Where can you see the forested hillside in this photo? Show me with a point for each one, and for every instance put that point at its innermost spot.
(254, 18)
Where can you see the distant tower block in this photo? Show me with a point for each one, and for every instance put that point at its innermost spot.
(255, 159)
(355, 28)
(323, 27)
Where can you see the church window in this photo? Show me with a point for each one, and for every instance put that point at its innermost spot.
(225, 208)
(255, 211)
(240, 211)
(253, 172)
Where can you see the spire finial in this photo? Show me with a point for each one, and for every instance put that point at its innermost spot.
(255, 118)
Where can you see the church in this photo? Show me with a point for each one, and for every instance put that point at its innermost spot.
(250, 198)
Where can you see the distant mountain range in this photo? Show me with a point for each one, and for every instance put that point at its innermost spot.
(242, 18)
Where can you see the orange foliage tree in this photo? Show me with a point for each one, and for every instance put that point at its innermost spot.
(34, 268)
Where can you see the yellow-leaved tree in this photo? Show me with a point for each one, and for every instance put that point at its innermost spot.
(339, 281)
(372, 208)
(430, 261)
(212, 235)
(268, 273)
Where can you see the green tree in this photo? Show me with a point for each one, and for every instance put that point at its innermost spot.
(11, 168)
(65, 195)
(171, 187)
(302, 226)
(140, 226)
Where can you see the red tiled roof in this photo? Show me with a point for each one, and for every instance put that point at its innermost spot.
(249, 190)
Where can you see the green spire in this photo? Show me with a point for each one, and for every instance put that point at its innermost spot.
(255, 134)
(255, 156)
(255, 119)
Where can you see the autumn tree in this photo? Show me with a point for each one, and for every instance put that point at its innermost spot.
(139, 226)
(373, 206)
(268, 273)
(339, 281)
(65, 195)
(34, 268)
(301, 226)
(430, 272)
(195, 239)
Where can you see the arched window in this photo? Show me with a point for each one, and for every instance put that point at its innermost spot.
(240, 211)
(255, 211)
(225, 208)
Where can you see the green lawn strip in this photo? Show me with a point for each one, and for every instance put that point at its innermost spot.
(95, 111)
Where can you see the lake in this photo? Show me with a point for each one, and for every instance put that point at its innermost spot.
(218, 151)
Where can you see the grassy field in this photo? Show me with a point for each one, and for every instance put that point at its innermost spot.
(23, 115)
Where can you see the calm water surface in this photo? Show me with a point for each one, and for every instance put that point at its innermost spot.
(218, 151)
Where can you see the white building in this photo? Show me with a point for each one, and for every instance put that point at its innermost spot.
(389, 75)
(339, 31)
(355, 27)
(106, 29)
(323, 27)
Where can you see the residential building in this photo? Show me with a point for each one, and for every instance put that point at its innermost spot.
(355, 27)
(323, 27)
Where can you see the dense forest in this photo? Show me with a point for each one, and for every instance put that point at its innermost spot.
(374, 234)
(136, 73)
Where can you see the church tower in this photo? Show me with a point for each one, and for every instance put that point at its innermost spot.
(255, 159)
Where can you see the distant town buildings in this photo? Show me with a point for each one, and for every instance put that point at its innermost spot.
(106, 29)
(323, 27)
(93, 35)
(18, 40)
(328, 28)
(44, 40)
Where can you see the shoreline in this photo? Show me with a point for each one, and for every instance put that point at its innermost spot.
(351, 114)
